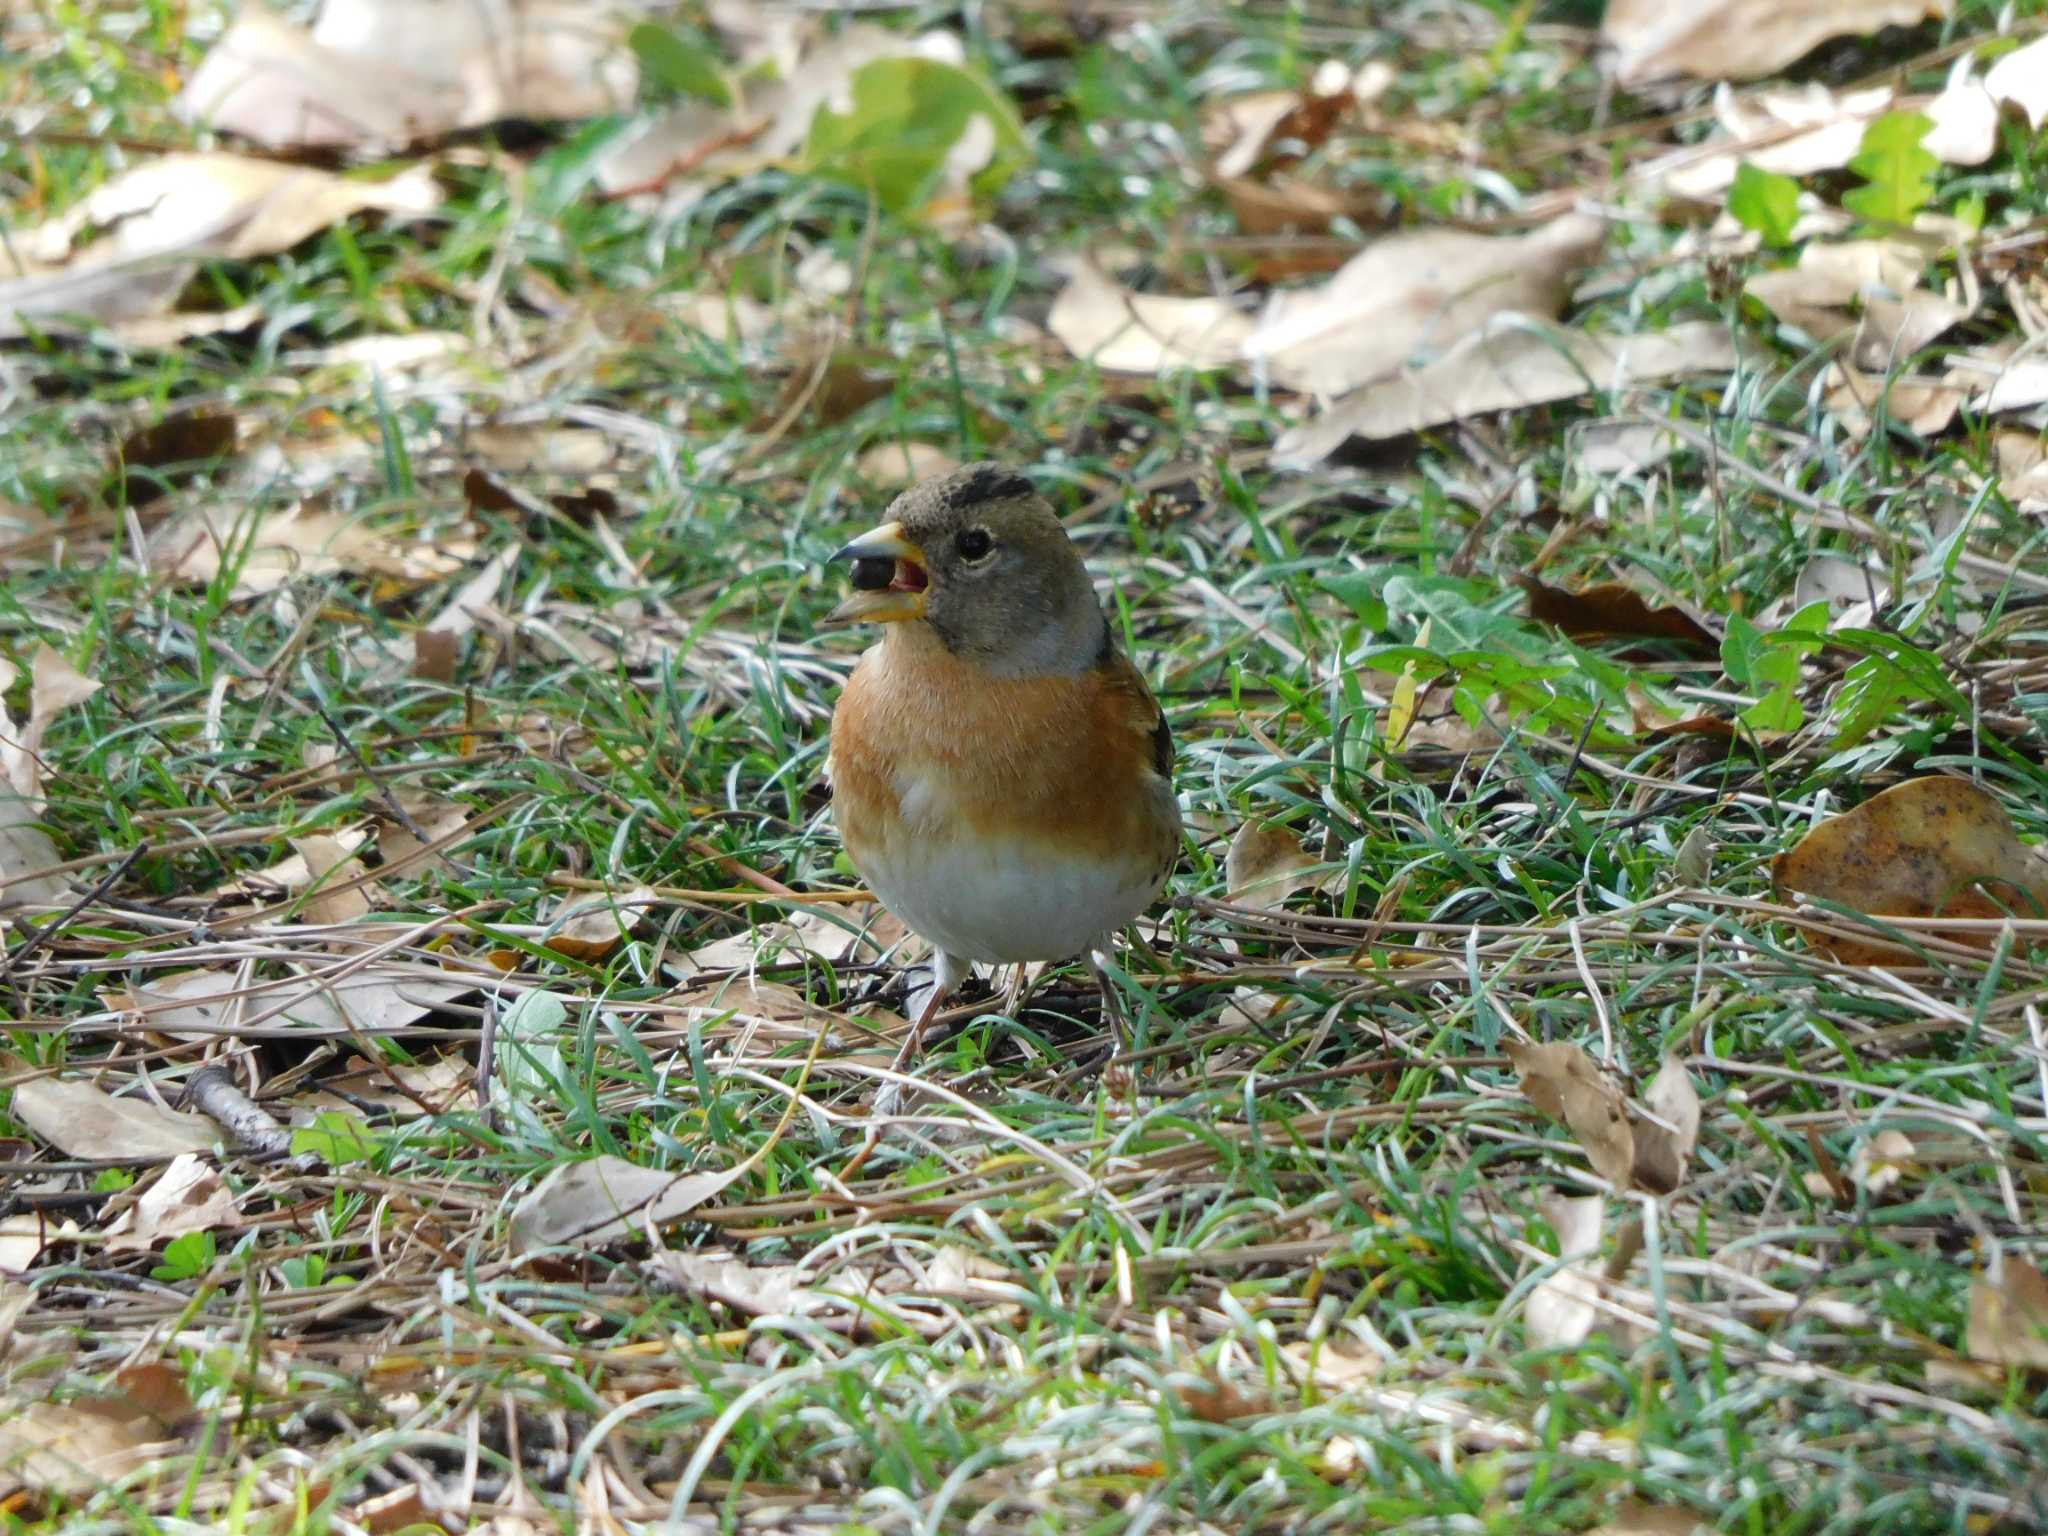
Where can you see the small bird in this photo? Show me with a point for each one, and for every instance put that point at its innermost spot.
(1001, 776)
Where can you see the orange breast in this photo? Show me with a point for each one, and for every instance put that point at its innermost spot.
(926, 746)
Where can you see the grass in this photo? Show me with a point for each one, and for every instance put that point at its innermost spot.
(1282, 1286)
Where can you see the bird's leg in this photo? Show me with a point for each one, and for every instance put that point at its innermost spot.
(1013, 999)
(948, 971)
(1120, 1038)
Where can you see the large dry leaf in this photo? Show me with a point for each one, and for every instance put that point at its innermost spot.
(755, 1290)
(1740, 39)
(1266, 864)
(1563, 1308)
(394, 71)
(2009, 1315)
(1635, 1518)
(1561, 1080)
(301, 542)
(73, 1449)
(1819, 294)
(335, 896)
(154, 221)
(1934, 847)
(2022, 470)
(2021, 78)
(81, 1121)
(1794, 131)
(603, 1199)
(591, 927)
(1611, 608)
(1100, 321)
(187, 1196)
(1510, 363)
(1412, 294)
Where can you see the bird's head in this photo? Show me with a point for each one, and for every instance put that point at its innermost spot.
(979, 559)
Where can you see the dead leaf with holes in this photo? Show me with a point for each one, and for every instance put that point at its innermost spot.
(2009, 1315)
(1102, 322)
(1932, 847)
(1563, 1309)
(1739, 39)
(388, 72)
(80, 1120)
(1413, 295)
(1509, 363)
(189, 1195)
(1266, 864)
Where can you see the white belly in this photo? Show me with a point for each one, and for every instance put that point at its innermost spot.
(1005, 904)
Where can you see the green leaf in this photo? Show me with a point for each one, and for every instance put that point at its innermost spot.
(1765, 202)
(335, 1138)
(907, 117)
(1900, 172)
(679, 64)
(1778, 710)
(186, 1257)
(1360, 591)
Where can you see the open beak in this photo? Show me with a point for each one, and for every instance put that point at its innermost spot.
(889, 578)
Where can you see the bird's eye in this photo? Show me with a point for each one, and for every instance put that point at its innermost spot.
(974, 544)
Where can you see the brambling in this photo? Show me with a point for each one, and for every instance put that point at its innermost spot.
(1001, 776)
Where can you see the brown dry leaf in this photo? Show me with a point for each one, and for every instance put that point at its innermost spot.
(2023, 470)
(725, 317)
(1852, 592)
(1287, 205)
(1663, 1156)
(399, 849)
(74, 1449)
(1818, 294)
(174, 446)
(1328, 1368)
(1561, 1081)
(436, 647)
(754, 1290)
(448, 1083)
(2009, 1315)
(1933, 847)
(1611, 609)
(380, 72)
(187, 1196)
(304, 541)
(892, 466)
(1922, 405)
(1244, 132)
(23, 1237)
(1881, 1161)
(1740, 39)
(1266, 865)
(1100, 321)
(81, 1121)
(1415, 293)
(334, 865)
(1508, 364)
(1562, 1310)
(604, 1199)
(592, 927)
(289, 875)
(2021, 78)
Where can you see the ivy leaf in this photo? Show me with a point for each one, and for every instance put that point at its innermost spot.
(1765, 202)
(1900, 172)
(907, 118)
(679, 64)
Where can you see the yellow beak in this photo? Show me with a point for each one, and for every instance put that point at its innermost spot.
(890, 578)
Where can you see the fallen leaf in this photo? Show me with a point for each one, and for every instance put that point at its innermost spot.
(1266, 864)
(1119, 331)
(23, 1237)
(1932, 847)
(1414, 293)
(333, 866)
(174, 447)
(385, 72)
(540, 449)
(435, 819)
(1662, 1156)
(1611, 609)
(1563, 1308)
(1561, 1081)
(189, 1195)
(446, 1083)
(81, 1121)
(1818, 293)
(1622, 447)
(1248, 132)
(73, 1450)
(1852, 592)
(1921, 405)
(592, 927)
(300, 542)
(603, 1199)
(1786, 130)
(2022, 470)
(754, 1290)
(2009, 1315)
(436, 646)
(1881, 1161)
(1964, 117)
(1507, 364)
(290, 875)
(1739, 39)
(2021, 78)
(1635, 1518)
